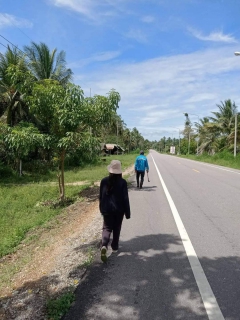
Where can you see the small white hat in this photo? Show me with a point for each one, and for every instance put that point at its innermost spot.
(115, 167)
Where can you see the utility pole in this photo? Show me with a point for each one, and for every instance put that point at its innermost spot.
(235, 136)
(129, 141)
(117, 137)
(188, 124)
(189, 140)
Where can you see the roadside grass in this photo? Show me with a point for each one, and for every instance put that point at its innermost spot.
(93, 173)
(20, 211)
(21, 208)
(225, 159)
(89, 173)
(89, 259)
(57, 308)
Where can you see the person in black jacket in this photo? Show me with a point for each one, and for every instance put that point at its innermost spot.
(113, 205)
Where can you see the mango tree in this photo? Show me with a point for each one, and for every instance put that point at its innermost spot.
(67, 116)
(21, 140)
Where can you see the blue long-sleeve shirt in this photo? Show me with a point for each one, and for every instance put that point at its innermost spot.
(141, 163)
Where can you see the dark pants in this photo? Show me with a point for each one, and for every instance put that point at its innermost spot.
(140, 173)
(111, 224)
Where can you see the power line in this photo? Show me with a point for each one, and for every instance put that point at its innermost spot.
(24, 33)
(18, 28)
(25, 54)
(3, 45)
(12, 44)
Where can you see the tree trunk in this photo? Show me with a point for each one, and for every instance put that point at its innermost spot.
(59, 183)
(20, 167)
(62, 158)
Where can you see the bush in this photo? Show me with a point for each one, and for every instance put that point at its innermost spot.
(5, 171)
(39, 166)
(57, 308)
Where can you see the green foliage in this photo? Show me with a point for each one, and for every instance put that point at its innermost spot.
(57, 308)
(46, 64)
(5, 171)
(23, 138)
(10, 59)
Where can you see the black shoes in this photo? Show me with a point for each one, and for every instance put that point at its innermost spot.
(141, 185)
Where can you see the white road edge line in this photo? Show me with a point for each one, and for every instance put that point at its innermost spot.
(212, 165)
(209, 300)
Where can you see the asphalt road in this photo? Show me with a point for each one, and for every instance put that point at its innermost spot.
(179, 256)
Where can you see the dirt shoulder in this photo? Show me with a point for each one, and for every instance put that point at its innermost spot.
(52, 260)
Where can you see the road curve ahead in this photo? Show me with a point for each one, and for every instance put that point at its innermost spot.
(179, 256)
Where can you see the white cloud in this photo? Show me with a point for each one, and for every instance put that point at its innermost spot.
(98, 57)
(137, 35)
(213, 36)
(201, 97)
(96, 11)
(85, 7)
(155, 93)
(148, 19)
(8, 20)
(92, 9)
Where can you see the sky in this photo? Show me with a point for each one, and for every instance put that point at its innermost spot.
(165, 58)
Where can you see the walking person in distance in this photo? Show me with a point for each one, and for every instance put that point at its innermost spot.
(113, 205)
(141, 164)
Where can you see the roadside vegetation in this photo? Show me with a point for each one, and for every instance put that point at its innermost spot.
(27, 205)
(51, 138)
(224, 158)
(211, 137)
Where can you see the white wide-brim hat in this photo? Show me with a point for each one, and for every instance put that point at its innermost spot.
(115, 167)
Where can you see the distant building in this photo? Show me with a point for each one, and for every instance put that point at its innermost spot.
(111, 148)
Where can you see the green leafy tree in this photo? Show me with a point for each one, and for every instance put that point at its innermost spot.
(68, 116)
(21, 140)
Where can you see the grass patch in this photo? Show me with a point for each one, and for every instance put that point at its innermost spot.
(89, 173)
(22, 199)
(57, 308)
(94, 173)
(21, 210)
(225, 159)
(90, 258)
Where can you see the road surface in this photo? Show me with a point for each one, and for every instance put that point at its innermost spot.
(179, 256)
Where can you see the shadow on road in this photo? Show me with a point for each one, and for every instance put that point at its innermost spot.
(150, 278)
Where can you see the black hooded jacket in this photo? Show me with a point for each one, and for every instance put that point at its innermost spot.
(114, 201)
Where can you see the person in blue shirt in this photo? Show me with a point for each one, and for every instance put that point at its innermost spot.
(141, 164)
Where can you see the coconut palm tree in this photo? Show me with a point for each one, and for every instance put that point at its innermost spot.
(223, 122)
(46, 64)
(10, 57)
(224, 118)
(13, 108)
